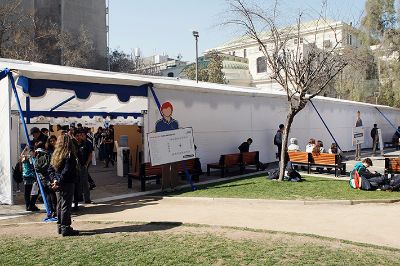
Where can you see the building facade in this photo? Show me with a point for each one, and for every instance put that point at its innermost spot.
(70, 16)
(322, 34)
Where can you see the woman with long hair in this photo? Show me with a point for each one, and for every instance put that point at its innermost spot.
(63, 173)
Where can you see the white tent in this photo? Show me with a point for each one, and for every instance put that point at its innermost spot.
(222, 116)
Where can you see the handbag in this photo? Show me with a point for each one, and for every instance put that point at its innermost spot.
(35, 189)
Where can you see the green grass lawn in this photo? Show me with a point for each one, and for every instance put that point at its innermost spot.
(183, 248)
(259, 187)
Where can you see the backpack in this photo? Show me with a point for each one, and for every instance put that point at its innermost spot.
(275, 139)
(17, 173)
(358, 182)
(294, 176)
(273, 174)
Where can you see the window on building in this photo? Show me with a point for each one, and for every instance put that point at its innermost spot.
(170, 74)
(296, 41)
(261, 64)
(349, 39)
(244, 53)
(301, 40)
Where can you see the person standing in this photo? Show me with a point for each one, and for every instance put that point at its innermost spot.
(63, 173)
(375, 138)
(85, 155)
(278, 140)
(29, 178)
(38, 137)
(359, 123)
(108, 147)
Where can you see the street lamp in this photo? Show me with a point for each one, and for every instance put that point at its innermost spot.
(196, 37)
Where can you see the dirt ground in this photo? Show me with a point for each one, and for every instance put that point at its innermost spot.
(347, 222)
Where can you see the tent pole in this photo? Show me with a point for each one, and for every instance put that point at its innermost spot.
(326, 126)
(387, 119)
(28, 141)
(62, 103)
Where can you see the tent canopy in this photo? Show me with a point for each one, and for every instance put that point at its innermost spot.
(110, 92)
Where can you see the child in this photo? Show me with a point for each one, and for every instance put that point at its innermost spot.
(28, 175)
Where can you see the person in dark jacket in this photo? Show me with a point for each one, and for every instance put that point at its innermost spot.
(42, 163)
(39, 139)
(63, 173)
(245, 146)
(375, 138)
(278, 140)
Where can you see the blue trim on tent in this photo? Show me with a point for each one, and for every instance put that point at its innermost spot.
(38, 88)
(80, 114)
(28, 109)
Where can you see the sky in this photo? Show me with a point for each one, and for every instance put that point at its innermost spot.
(165, 26)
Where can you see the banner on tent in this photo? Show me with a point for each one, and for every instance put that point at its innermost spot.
(171, 146)
(358, 135)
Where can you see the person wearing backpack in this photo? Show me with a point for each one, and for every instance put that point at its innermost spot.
(28, 176)
(42, 163)
(368, 180)
(278, 140)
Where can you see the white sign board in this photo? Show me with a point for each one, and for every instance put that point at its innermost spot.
(171, 146)
(358, 135)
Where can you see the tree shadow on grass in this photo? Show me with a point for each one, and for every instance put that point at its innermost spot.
(149, 227)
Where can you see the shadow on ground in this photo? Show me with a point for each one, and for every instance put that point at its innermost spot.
(149, 227)
(117, 206)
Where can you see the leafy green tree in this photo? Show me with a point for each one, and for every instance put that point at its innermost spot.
(210, 69)
(381, 24)
(121, 62)
(214, 69)
(190, 72)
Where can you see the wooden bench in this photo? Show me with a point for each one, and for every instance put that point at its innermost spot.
(190, 166)
(226, 161)
(318, 160)
(392, 166)
(300, 158)
(327, 160)
(391, 144)
(251, 158)
(146, 172)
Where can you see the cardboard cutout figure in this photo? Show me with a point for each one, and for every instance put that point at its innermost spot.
(167, 122)
(169, 171)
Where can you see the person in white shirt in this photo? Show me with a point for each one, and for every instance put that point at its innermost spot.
(293, 145)
(310, 145)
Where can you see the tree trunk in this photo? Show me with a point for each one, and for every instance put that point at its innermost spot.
(283, 162)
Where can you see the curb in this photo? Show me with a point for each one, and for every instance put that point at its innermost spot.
(280, 202)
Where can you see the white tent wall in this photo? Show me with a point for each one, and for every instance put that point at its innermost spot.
(221, 122)
(6, 196)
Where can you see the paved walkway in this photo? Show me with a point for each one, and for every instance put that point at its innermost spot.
(366, 223)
